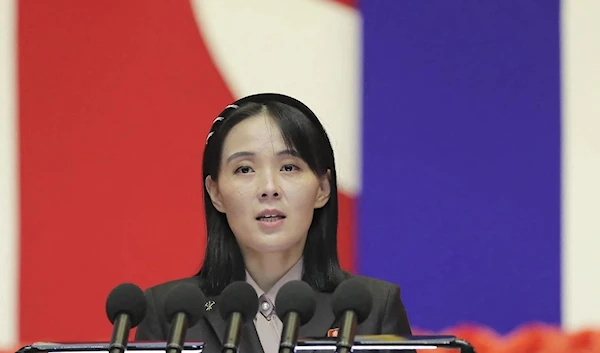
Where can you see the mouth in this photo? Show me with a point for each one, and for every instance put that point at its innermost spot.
(270, 216)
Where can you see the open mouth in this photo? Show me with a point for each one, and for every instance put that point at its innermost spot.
(270, 218)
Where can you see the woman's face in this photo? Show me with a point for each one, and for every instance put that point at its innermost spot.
(267, 192)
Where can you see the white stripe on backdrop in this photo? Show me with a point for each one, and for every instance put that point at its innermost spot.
(580, 75)
(8, 176)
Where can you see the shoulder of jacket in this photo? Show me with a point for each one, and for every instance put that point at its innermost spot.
(374, 283)
(161, 289)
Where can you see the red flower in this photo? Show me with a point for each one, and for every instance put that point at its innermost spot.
(531, 338)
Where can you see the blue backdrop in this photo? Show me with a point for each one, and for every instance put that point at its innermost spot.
(462, 133)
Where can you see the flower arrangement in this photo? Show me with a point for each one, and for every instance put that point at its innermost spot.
(530, 338)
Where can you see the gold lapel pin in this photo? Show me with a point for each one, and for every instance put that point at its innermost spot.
(209, 305)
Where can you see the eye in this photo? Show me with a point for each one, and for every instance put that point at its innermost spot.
(243, 170)
(289, 168)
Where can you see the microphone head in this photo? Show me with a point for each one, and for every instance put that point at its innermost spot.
(352, 295)
(296, 296)
(239, 297)
(185, 298)
(126, 298)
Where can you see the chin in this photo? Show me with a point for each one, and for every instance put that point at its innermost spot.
(261, 243)
(271, 245)
(274, 248)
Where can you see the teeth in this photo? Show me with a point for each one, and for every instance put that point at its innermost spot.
(270, 217)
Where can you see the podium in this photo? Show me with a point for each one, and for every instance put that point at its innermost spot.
(388, 343)
(103, 347)
(372, 343)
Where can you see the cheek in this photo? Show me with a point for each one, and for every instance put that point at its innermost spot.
(302, 195)
(236, 198)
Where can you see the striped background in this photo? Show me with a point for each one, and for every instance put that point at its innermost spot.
(466, 135)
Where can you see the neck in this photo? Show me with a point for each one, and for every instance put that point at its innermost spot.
(267, 269)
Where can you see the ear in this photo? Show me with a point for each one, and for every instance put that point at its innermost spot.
(213, 191)
(324, 192)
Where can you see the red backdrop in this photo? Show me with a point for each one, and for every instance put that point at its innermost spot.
(115, 99)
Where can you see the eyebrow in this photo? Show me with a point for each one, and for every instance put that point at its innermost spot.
(235, 155)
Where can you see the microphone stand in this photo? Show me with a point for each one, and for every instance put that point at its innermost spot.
(179, 330)
(232, 336)
(120, 335)
(347, 332)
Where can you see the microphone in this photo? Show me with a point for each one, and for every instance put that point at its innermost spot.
(352, 302)
(239, 304)
(295, 305)
(125, 308)
(183, 309)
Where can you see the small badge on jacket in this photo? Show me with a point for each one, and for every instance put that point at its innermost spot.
(209, 305)
(333, 332)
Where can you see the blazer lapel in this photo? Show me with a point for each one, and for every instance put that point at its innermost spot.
(249, 341)
(322, 321)
(212, 315)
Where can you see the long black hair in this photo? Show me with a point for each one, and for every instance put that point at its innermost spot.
(303, 132)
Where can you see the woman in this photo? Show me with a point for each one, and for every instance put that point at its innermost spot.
(271, 212)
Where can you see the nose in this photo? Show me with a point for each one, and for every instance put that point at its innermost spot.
(269, 187)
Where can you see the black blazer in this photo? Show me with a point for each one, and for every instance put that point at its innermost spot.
(388, 316)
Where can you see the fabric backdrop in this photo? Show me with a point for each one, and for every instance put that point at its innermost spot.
(465, 135)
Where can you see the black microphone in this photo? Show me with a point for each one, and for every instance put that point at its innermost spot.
(183, 309)
(239, 304)
(351, 302)
(125, 308)
(295, 305)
